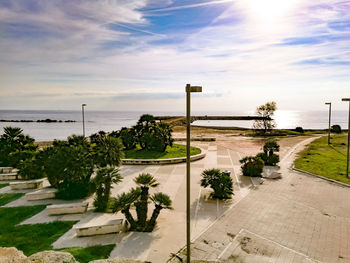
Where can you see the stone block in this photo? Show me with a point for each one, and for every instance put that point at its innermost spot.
(62, 209)
(87, 229)
(44, 193)
(30, 184)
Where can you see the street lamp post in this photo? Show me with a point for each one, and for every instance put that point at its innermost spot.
(329, 122)
(347, 156)
(189, 89)
(82, 110)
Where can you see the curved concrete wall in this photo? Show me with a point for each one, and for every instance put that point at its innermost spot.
(163, 161)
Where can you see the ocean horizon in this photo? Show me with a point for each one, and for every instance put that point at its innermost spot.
(115, 120)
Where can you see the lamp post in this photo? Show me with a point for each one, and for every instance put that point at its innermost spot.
(82, 110)
(347, 156)
(329, 122)
(189, 89)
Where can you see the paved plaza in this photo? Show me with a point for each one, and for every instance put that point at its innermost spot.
(298, 218)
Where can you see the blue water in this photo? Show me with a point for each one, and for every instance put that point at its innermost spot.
(109, 121)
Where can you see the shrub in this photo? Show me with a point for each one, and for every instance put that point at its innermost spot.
(14, 146)
(103, 183)
(268, 156)
(69, 166)
(108, 151)
(299, 129)
(128, 137)
(336, 128)
(138, 198)
(220, 182)
(31, 167)
(97, 136)
(252, 166)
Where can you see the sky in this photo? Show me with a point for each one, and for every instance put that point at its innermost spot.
(139, 54)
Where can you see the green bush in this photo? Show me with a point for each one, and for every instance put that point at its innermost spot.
(108, 151)
(103, 183)
(69, 166)
(336, 128)
(220, 182)
(31, 167)
(97, 136)
(268, 156)
(252, 166)
(15, 146)
(139, 198)
(128, 137)
(299, 129)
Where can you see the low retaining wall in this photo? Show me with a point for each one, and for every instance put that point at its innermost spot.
(163, 161)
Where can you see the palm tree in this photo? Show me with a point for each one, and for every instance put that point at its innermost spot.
(12, 133)
(103, 181)
(109, 151)
(123, 203)
(161, 201)
(144, 181)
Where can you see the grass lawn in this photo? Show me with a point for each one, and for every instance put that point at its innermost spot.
(34, 238)
(84, 255)
(171, 152)
(326, 160)
(7, 198)
(3, 185)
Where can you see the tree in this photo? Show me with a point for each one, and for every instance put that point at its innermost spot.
(103, 183)
(129, 137)
(15, 146)
(265, 111)
(161, 201)
(108, 151)
(220, 182)
(268, 156)
(123, 203)
(252, 166)
(144, 181)
(97, 136)
(336, 128)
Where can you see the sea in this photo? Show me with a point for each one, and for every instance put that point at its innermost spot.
(115, 120)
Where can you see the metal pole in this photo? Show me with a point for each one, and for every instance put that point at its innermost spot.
(188, 171)
(329, 124)
(82, 108)
(347, 158)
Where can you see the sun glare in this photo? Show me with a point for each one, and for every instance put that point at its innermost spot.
(268, 11)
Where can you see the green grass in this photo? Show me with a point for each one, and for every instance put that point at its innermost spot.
(85, 255)
(29, 238)
(326, 160)
(7, 198)
(3, 185)
(285, 133)
(34, 238)
(175, 151)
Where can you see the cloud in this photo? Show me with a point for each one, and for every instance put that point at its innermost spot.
(148, 50)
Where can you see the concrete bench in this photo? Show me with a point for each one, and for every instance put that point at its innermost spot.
(44, 193)
(5, 170)
(30, 184)
(8, 176)
(92, 229)
(63, 209)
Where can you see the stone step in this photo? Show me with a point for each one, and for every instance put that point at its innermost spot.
(63, 209)
(44, 193)
(102, 228)
(6, 170)
(8, 176)
(30, 184)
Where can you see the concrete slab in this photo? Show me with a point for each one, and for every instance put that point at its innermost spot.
(71, 208)
(30, 184)
(41, 194)
(99, 228)
(8, 176)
